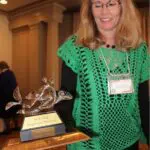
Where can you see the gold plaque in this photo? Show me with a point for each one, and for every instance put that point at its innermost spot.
(37, 121)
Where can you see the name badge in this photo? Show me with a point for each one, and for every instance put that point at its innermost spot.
(121, 86)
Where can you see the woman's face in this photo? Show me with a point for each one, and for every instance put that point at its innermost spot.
(107, 14)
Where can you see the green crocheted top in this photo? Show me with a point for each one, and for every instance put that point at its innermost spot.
(112, 121)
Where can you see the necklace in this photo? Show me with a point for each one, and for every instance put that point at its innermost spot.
(109, 46)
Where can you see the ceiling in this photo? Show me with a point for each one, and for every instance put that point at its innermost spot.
(14, 4)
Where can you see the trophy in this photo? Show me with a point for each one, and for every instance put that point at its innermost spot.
(40, 118)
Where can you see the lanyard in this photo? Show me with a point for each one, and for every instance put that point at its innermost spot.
(122, 74)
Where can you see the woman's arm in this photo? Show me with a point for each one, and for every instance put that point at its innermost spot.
(144, 107)
(68, 83)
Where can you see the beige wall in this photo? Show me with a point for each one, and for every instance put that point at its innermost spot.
(66, 27)
(5, 40)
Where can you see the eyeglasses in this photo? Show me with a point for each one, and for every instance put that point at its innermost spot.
(111, 4)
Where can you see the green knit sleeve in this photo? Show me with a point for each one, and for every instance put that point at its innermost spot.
(68, 52)
(145, 60)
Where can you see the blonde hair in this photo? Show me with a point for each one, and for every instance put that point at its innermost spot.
(129, 32)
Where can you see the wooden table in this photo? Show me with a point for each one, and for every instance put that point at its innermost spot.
(12, 141)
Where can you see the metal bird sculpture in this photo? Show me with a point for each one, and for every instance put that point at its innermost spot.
(42, 100)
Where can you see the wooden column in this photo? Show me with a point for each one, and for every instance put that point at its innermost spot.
(52, 61)
(35, 57)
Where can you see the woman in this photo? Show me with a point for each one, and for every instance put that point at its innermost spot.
(109, 60)
(8, 84)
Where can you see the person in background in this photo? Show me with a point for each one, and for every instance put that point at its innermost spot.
(104, 65)
(8, 84)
